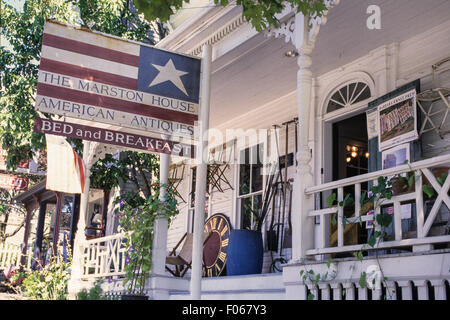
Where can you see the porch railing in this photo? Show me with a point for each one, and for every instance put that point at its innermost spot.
(103, 257)
(419, 237)
(10, 255)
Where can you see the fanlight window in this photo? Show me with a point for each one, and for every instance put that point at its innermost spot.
(348, 95)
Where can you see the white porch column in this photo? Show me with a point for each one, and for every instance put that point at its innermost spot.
(350, 290)
(81, 225)
(325, 291)
(439, 289)
(201, 172)
(422, 289)
(75, 283)
(302, 225)
(406, 289)
(302, 31)
(159, 249)
(337, 290)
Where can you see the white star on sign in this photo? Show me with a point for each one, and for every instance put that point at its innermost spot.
(169, 73)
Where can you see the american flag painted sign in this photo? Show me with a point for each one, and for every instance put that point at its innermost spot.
(93, 76)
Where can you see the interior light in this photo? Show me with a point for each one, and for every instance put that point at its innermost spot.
(349, 148)
(349, 159)
(291, 54)
(354, 154)
(367, 155)
(354, 148)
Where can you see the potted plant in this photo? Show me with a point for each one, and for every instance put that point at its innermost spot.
(245, 249)
(402, 184)
(137, 219)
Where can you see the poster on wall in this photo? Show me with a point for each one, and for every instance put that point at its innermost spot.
(396, 156)
(397, 120)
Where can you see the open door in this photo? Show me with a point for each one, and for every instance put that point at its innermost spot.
(350, 158)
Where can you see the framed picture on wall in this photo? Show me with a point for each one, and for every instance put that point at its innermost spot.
(395, 156)
(397, 120)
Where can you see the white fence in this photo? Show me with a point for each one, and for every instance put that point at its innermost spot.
(10, 255)
(103, 257)
(421, 236)
(403, 276)
(389, 290)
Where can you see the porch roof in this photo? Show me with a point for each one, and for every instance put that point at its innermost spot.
(253, 72)
(35, 195)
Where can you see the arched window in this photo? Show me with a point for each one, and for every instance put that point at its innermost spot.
(348, 95)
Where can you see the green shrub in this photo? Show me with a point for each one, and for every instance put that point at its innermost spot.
(95, 293)
(49, 282)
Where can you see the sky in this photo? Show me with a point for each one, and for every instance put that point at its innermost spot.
(18, 4)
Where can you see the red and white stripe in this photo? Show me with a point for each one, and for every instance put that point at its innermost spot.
(97, 59)
(80, 169)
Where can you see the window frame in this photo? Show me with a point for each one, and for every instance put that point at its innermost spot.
(252, 195)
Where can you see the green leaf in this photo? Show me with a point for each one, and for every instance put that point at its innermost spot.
(317, 279)
(331, 200)
(384, 219)
(310, 296)
(330, 260)
(411, 180)
(363, 197)
(348, 201)
(429, 191)
(372, 241)
(333, 219)
(441, 179)
(358, 255)
(362, 280)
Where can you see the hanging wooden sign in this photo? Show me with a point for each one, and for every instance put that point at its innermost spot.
(97, 77)
(11, 182)
(117, 138)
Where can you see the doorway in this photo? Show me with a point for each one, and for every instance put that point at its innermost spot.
(350, 147)
(350, 157)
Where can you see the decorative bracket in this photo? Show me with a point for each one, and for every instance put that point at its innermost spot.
(98, 151)
(302, 38)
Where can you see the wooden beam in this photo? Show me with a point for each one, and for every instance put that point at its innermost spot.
(40, 230)
(105, 210)
(75, 217)
(59, 198)
(26, 235)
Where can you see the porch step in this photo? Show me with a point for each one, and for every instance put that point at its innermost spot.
(249, 287)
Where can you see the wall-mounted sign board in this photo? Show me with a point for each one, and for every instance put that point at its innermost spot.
(397, 120)
(11, 182)
(101, 78)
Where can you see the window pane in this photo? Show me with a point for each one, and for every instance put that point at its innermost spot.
(257, 167)
(246, 205)
(364, 95)
(244, 172)
(250, 208)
